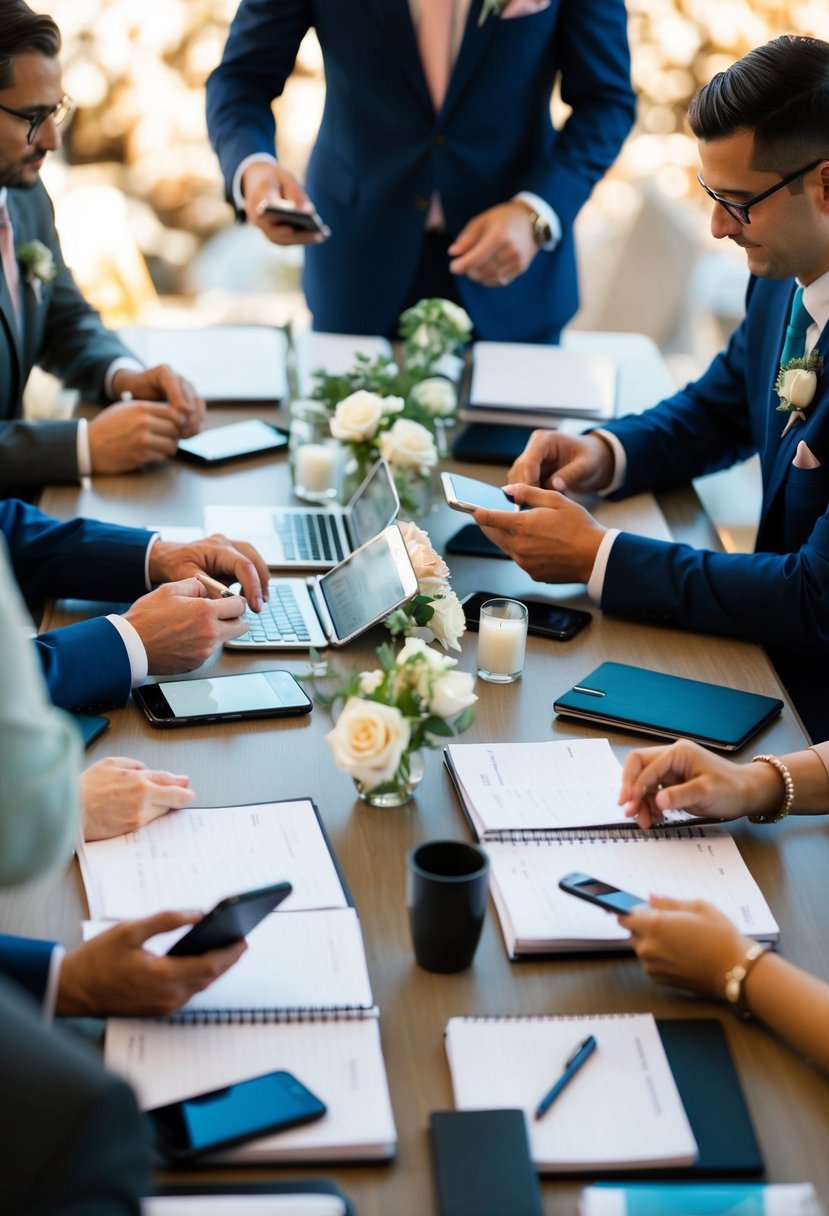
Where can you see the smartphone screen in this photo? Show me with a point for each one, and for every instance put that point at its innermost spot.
(545, 620)
(467, 493)
(239, 1112)
(222, 443)
(368, 585)
(597, 892)
(254, 694)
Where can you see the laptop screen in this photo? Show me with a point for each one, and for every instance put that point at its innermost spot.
(374, 506)
(363, 588)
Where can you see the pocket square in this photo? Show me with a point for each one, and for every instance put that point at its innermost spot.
(804, 458)
(523, 8)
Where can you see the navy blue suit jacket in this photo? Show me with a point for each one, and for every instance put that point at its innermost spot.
(85, 665)
(382, 150)
(778, 595)
(26, 961)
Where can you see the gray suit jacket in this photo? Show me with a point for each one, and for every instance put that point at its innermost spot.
(72, 1142)
(62, 334)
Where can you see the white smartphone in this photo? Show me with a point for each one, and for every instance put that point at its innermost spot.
(467, 494)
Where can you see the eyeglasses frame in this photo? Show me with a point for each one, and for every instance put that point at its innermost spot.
(740, 211)
(60, 112)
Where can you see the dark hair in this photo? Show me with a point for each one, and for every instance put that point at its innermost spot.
(23, 30)
(780, 92)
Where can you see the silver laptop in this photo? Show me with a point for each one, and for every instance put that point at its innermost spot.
(313, 538)
(333, 608)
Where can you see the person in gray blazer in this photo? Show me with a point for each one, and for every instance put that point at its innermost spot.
(44, 319)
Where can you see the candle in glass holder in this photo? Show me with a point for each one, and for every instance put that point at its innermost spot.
(315, 471)
(502, 640)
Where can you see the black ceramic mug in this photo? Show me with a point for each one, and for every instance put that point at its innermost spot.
(447, 884)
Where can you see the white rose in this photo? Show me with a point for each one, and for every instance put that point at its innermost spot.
(408, 445)
(392, 405)
(798, 387)
(452, 694)
(419, 666)
(457, 316)
(430, 568)
(370, 680)
(448, 622)
(422, 336)
(357, 417)
(369, 741)
(436, 396)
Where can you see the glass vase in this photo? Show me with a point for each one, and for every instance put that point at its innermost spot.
(401, 789)
(314, 455)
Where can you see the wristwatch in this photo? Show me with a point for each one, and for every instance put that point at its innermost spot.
(735, 978)
(542, 232)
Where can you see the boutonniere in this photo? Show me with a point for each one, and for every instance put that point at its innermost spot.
(491, 8)
(796, 385)
(38, 265)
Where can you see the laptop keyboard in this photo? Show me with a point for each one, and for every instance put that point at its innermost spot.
(309, 536)
(280, 620)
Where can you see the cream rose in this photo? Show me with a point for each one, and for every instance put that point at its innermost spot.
(429, 566)
(448, 622)
(369, 741)
(408, 445)
(370, 681)
(419, 666)
(436, 396)
(452, 693)
(798, 387)
(456, 316)
(357, 417)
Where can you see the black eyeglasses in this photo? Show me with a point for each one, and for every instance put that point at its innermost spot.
(59, 114)
(740, 211)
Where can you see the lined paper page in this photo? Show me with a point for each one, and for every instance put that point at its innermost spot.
(194, 857)
(244, 1205)
(622, 1107)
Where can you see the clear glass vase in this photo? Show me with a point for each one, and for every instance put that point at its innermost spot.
(315, 456)
(401, 789)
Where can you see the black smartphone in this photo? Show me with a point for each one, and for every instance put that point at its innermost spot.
(288, 213)
(545, 620)
(597, 892)
(255, 694)
(223, 1117)
(231, 919)
(239, 439)
(467, 494)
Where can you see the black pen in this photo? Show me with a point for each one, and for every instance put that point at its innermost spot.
(572, 1066)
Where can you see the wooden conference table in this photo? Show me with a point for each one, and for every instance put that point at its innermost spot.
(262, 761)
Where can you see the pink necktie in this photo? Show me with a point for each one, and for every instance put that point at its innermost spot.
(434, 41)
(9, 259)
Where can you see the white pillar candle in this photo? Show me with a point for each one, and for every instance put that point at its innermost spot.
(502, 640)
(315, 467)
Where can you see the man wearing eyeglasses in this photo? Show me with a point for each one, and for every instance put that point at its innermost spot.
(763, 131)
(44, 319)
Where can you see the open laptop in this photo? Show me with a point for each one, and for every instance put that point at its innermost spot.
(314, 538)
(333, 608)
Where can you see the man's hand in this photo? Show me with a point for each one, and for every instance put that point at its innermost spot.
(113, 974)
(495, 246)
(564, 462)
(266, 183)
(130, 434)
(181, 627)
(215, 555)
(120, 795)
(555, 543)
(161, 383)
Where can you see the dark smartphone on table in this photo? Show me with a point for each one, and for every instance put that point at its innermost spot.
(255, 694)
(224, 1117)
(220, 444)
(287, 213)
(612, 899)
(230, 920)
(468, 493)
(545, 620)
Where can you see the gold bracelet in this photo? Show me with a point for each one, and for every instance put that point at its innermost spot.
(735, 979)
(788, 790)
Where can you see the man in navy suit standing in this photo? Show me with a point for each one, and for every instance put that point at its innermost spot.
(437, 168)
(763, 131)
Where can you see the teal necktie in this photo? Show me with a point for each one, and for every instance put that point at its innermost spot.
(794, 343)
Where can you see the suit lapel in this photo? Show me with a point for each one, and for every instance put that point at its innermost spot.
(395, 17)
(475, 41)
(25, 231)
(9, 320)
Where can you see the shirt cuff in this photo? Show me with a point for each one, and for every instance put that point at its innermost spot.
(124, 364)
(236, 184)
(547, 214)
(50, 996)
(620, 461)
(595, 585)
(84, 452)
(147, 580)
(136, 654)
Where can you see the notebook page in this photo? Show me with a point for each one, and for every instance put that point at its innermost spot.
(294, 960)
(517, 375)
(686, 863)
(194, 857)
(244, 1205)
(224, 362)
(340, 1061)
(621, 1109)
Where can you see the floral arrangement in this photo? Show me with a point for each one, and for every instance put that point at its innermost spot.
(372, 425)
(431, 330)
(436, 606)
(38, 264)
(796, 385)
(407, 703)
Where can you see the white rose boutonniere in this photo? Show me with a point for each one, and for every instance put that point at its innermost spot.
(38, 265)
(796, 385)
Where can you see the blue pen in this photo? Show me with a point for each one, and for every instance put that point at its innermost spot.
(574, 1063)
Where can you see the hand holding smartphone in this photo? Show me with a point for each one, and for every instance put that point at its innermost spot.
(286, 212)
(468, 493)
(601, 893)
(230, 920)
